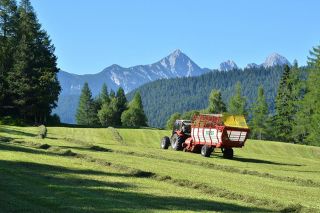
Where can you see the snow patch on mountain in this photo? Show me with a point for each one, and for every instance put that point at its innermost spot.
(252, 66)
(275, 59)
(228, 65)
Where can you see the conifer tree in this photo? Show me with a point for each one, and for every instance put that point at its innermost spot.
(216, 104)
(112, 94)
(86, 112)
(121, 105)
(134, 116)
(8, 22)
(308, 116)
(287, 102)
(259, 119)
(104, 95)
(237, 103)
(32, 80)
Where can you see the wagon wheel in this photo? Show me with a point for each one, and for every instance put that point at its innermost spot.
(228, 153)
(206, 151)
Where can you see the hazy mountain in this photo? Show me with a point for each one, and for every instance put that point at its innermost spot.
(177, 64)
(228, 65)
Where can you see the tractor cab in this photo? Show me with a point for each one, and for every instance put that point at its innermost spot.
(182, 127)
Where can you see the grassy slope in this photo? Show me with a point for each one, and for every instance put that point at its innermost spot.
(133, 174)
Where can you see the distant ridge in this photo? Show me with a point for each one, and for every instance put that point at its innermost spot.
(272, 60)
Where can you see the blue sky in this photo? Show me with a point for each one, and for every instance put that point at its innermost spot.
(91, 35)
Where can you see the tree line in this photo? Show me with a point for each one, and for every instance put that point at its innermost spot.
(296, 116)
(110, 109)
(29, 87)
(164, 97)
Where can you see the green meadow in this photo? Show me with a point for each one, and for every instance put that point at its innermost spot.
(124, 170)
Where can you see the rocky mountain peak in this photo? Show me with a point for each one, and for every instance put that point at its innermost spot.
(275, 59)
(228, 65)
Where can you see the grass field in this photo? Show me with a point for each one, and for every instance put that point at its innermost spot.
(124, 170)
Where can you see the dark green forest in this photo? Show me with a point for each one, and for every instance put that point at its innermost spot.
(164, 97)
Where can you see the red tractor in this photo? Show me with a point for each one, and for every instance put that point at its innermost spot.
(208, 131)
(181, 131)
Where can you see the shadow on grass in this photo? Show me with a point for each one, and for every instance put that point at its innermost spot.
(90, 148)
(37, 186)
(6, 139)
(252, 160)
(16, 132)
(13, 148)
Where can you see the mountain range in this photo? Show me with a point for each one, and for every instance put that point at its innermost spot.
(175, 65)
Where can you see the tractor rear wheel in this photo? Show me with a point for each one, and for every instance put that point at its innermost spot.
(165, 142)
(176, 142)
(228, 153)
(206, 151)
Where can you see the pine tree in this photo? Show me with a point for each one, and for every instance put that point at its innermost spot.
(32, 80)
(237, 103)
(104, 95)
(134, 116)
(308, 116)
(297, 83)
(287, 103)
(86, 113)
(121, 105)
(8, 22)
(259, 119)
(112, 94)
(216, 104)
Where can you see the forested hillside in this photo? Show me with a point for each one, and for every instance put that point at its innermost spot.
(164, 97)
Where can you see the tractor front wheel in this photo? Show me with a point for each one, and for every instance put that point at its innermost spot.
(176, 142)
(206, 151)
(165, 142)
(228, 153)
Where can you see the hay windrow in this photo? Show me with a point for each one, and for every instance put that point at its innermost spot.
(100, 149)
(298, 181)
(68, 153)
(44, 146)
